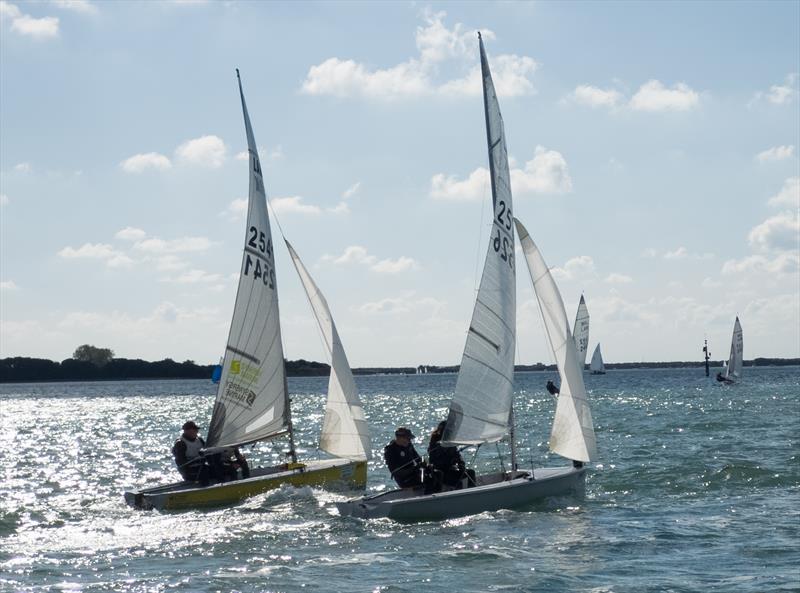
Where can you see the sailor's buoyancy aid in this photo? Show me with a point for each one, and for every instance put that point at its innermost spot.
(193, 448)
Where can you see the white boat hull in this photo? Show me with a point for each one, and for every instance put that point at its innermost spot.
(493, 492)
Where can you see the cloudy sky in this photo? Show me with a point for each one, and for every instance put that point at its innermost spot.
(655, 160)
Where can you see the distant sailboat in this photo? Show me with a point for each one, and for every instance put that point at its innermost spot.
(252, 403)
(596, 366)
(733, 370)
(580, 332)
(481, 411)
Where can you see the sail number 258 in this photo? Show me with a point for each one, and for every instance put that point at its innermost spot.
(257, 240)
(501, 243)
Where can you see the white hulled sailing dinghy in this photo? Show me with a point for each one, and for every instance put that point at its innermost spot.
(596, 366)
(580, 332)
(733, 370)
(252, 401)
(481, 409)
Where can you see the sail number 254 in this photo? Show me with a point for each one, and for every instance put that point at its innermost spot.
(501, 243)
(257, 240)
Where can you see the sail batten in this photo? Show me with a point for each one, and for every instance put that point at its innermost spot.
(345, 432)
(572, 435)
(480, 409)
(252, 402)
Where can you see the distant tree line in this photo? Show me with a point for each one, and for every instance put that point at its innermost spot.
(98, 364)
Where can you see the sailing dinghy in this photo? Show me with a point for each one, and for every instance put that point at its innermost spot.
(733, 370)
(252, 402)
(481, 411)
(580, 332)
(596, 366)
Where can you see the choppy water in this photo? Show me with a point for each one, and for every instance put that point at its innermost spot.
(697, 489)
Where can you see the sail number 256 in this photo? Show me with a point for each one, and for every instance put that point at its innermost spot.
(501, 243)
(257, 240)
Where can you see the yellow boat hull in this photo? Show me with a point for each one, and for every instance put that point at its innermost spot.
(332, 474)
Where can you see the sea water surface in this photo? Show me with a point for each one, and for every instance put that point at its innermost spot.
(696, 488)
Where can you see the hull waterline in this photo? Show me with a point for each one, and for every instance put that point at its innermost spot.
(333, 474)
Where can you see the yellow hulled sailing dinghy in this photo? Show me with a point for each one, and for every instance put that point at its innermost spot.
(252, 401)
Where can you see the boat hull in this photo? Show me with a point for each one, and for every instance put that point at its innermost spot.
(525, 489)
(334, 474)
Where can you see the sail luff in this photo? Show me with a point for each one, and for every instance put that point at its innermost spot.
(345, 432)
(580, 332)
(252, 400)
(481, 405)
(572, 435)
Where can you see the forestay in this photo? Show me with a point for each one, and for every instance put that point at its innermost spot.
(344, 431)
(481, 406)
(573, 433)
(252, 400)
(580, 332)
(736, 360)
(597, 366)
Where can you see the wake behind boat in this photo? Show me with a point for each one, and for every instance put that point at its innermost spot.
(252, 403)
(481, 411)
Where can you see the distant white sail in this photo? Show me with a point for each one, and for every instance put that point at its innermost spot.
(481, 406)
(736, 359)
(252, 400)
(597, 366)
(580, 332)
(573, 432)
(344, 431)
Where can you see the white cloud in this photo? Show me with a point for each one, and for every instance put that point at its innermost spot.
(786, 262)
(615, 278)
(776, 153)
(357, 254)
(23, 167)
(650, 253)
(403, 304)
(710, 283)
(351, 191)
(778, 94)
(3, 200)
(593, 96)
(780, 232)
(576, 267)
(654, 96)
(547, 172)
(340, 208)
(130, 233)
(99, 251)
(82, 6)
(789, 194)
(185, 244)
(293, 204)
(149, 160)
(8, 285)
(236, 210)
(41, 28)
(679, 253)
(205, 151)
(195, 277)
(436, 45)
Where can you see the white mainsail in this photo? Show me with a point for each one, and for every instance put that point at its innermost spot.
(736, 360)
(252, 400)
(344, 431)
(481, 406)
(597, 366)
(580, 332)
(573, 433)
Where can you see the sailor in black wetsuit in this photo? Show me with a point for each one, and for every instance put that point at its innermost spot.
(188, 457)
(403, 460)
(551, 388)
(448, 461)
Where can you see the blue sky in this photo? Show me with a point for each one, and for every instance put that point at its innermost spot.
(654, 161)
